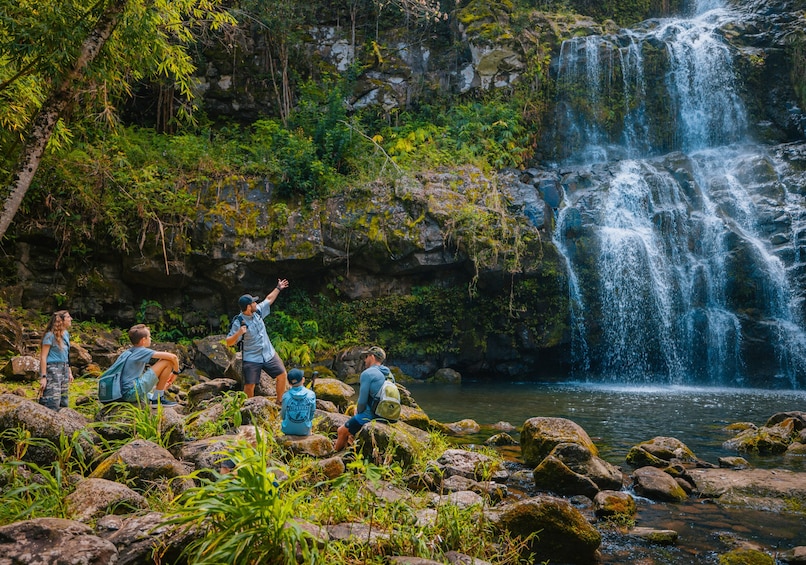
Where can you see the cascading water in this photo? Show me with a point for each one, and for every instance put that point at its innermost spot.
(675, 274)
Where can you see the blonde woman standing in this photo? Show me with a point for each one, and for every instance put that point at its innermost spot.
(54, 362)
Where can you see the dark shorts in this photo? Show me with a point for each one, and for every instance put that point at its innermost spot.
(357, 422)
(251, 371)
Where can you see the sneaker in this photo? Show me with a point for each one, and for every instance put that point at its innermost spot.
(162, 400)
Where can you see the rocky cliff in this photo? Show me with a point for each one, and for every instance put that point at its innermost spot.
(459, 262)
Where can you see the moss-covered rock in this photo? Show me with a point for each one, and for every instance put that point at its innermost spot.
(562, 532)
(540, 435)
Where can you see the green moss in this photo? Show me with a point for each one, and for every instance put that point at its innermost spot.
(746, 557)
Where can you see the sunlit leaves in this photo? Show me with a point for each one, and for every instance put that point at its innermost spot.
(40, 40)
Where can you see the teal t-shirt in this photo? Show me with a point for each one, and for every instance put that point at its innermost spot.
(57, 354)
(136, 360)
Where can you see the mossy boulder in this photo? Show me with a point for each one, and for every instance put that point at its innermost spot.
(572, 469)
(335, 391)
(143, 461)
(654, 484)
(377, 438)
(763, 441)
(746, 556)
(563, 534)
(609, 503)
(43, 423)
(540, 435)
(660, 452)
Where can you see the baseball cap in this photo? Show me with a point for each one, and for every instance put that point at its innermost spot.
(246, 300)
(295, 376)
(379, 353)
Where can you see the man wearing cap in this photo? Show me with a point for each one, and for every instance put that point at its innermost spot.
(370, 383)
(299, 406)
(258, 352)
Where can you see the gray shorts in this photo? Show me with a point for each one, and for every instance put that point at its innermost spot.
(251, 370)
(142, 386)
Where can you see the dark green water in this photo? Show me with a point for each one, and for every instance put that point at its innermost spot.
(618, 417)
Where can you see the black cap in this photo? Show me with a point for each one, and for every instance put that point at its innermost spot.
(246, 300)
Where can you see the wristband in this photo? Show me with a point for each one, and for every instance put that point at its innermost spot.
(43, 376)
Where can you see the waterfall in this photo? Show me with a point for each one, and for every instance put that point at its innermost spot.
(676, 242)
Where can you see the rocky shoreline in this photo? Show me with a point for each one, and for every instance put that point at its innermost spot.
(110, 521)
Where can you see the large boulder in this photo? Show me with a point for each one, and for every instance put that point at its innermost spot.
(378, 440)
(142, 461)
(335, 391)
(776, 490)
(765, 440)
(572, 469)
(216, 360)
(45, 541)
(314, 445)
(655, 484)
(207, 390)
(470, 465)
(206, 454)
(138, 537)
(43, 423)
(490, 490)
(562, 533)
(539, 436)
(22, 368)
(660, 452)
(94, 498)
(610, 503)
(797, 418)
(415, 417)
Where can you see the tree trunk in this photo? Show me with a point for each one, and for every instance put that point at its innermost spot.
(54, 107)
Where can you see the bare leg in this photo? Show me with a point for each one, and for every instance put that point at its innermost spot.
(249, 390)
(281, 384)
(164, 371)
(342, 438)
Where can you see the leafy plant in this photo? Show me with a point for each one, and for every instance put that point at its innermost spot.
(295, 342)
(230, 418)
(141, 423)
(246, 516)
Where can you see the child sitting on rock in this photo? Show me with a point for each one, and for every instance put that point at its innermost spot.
(298, 407)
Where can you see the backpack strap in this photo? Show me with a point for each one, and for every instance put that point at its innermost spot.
(239, 316)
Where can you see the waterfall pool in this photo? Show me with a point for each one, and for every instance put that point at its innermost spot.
(620, 416)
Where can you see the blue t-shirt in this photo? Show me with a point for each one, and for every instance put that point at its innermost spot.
(298, 409)
(135, 363)
(257, 347)
(57, 354)
(370, 384)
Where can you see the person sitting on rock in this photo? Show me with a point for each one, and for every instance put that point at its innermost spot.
(137, 379)
(372, 379)
(299, 406)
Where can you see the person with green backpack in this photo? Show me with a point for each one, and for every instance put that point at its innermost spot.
(372, 383)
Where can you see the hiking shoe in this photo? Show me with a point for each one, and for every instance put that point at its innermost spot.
(162, 400)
